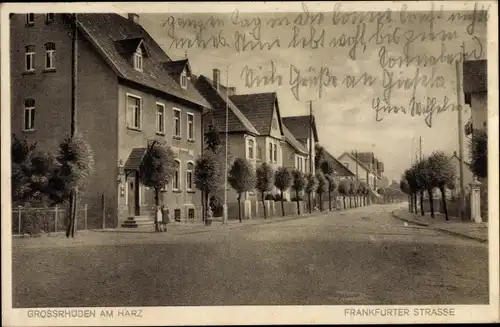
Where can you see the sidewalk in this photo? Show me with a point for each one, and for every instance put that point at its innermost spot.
(455, 227)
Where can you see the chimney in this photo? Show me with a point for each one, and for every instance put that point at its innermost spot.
(216, 78)
(134, 17)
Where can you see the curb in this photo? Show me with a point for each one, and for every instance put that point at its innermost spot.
(442, 230)
(45, 235)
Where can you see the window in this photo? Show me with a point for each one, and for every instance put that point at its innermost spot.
(49, 18)
(189, 176)
(190, 127)
(346, 164)
(160, 118)
(250, 148)
(134, 111)
(275, 153)
(190, 213)
(138, 59)
(30, 58)
(176, 180)
(29, 115)
(270, 151)
(177, 123)
(50, 49)
(177, 214)
(184, 80)
(259, 153)
(30, 19)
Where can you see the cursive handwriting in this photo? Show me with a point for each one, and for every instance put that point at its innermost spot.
(428, 107)
(252, 79)
(391, 82)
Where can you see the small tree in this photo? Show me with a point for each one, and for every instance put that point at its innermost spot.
(298, 185)
(207, 176)
(443, 175)
(425, 182)
(242, 179)
(311, 186)
(282, 180)
(344, 189)
(264, 183)
(362, 192)
(21, 154)
(74, 163)
(405, 188)
(478, 147)
(157, 168)
(212, 139)
(322, 187)
(332, 186)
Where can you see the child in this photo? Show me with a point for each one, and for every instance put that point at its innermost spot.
(165, 217)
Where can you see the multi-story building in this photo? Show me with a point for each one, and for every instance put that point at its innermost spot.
(128, 93)
(475, 87)
(303, 128)
(361, 171)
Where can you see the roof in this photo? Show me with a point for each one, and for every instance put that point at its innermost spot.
(354, 159)
(339, 168)
(475, 75)
(299, 126)
(293, 141)
(135, 158)
(259, 109)
(176, 67)
(237, 122)
(113, 35)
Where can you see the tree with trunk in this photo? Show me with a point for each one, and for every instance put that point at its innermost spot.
(362, 192)
(282, 180)
(353, 190)
(264, 183)
(207, 177)
(74, 163)
(478, 149)
(319, 156)
(298, 185)
(322, 187)
(411, 177)
(332, 187)
(405, 188)
(344, 189)
(21, 154)
(425, 181)
(311, 186)
(442, 175)
(213, 140)
(242, 179)
(157, 168)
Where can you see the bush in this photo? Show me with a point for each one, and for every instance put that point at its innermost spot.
(36, 217)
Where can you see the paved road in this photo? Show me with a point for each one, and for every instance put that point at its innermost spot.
(363, 256)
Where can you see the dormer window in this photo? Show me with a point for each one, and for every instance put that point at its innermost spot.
(138, 59)
(49, 18)
(184, 79)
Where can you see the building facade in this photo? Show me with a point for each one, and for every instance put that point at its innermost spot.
(475, 87)
(129, 92)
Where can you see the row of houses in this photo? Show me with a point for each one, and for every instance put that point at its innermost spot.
(128, 92)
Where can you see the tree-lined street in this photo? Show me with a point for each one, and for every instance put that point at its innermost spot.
(360, 256)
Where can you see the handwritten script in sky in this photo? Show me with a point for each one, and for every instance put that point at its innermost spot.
(401, 62)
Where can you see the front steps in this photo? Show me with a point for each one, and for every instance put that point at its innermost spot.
(138, 222)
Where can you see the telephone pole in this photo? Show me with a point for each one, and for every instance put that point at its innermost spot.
(460, 143)
(310, 137)
(420, 148)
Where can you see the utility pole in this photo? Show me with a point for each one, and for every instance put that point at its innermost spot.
(420, 148)
(460, 143)
(356, 156)
(224, 210)
(310, 137)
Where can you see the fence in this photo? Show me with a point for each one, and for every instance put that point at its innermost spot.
(33, 220)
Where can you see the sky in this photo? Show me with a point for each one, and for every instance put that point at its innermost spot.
(346, 117)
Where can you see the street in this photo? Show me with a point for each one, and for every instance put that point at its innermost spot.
(360, 256)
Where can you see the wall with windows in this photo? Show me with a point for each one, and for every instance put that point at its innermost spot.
(145, 116)
(479, 110)
(40, 83)
(41, 101)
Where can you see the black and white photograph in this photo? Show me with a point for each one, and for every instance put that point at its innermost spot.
(288, 162)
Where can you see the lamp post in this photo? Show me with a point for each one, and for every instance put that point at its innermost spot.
(224, 207)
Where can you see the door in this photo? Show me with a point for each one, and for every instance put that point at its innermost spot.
(136, 195)
(130, 196)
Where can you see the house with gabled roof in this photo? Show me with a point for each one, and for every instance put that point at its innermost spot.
(340, 171)
(128, 91)
(360, 170)
(303, 128)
